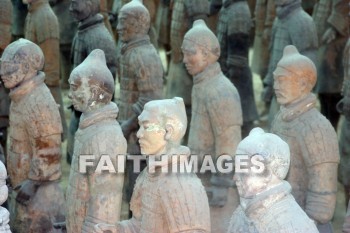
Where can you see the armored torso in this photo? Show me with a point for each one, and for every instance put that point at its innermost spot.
(93, 34)
(314, 147)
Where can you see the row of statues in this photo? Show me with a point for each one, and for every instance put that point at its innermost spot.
(302, 149)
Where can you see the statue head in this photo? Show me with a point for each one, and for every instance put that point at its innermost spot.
(91, 83)
(133, 21)
(163, 124)
(83, 9)
(200, 48)
(294, 77)
(274, 155)
(21, 60)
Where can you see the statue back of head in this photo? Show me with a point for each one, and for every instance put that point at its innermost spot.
(99, 77)
(138, 12)
(203, 37)
(272, 149)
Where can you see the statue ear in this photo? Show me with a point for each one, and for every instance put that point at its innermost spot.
(169, 131)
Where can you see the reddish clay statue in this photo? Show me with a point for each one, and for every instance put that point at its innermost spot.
(42, 28)
(289, 29)
(179, 82)
(332, 24)
(92, 34)
(93, 197)
(164, 201)
(266, 202)
(233, 33)
(141, 76)
(310, 136)
(216, 118)
(34, 154)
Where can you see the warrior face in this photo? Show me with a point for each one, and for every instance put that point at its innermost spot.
(12, 71)
(195, 57)
(79, 93)
(288, 86)
(248, 182)
(152, 133)
(80, 9)
(126, 27)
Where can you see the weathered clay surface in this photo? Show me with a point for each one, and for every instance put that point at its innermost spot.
(310, 136)
(34, 152)
(141, 75)
(41, 27)
(93, 197)
(266, 202)
(179, 82)
(233, 33)
(216, 117)
(92, 34)
(289, 29)
(332, 24)
(165, 202)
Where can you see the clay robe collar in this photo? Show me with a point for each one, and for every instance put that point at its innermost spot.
(181, 152)
(298, 108)
(26, 87)
(264, 200)
(32, 7)
(144, 40)
(107, 112)
(90, 21)
(209, 72)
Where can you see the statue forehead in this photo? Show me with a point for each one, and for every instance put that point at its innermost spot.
(189, 46)
(150, 113)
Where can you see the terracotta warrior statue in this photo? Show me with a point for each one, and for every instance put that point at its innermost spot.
(332, 24)
(141, 76)
(344, 108)
(42, 28)
(289, 28)
(92, 34)
(164, 201)
(266, 202)
(93, 196)
(5, 39)
(4, 213)
(216, 118)
(34, 153)
(179, 82)
(233, 31)
(310, 136)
